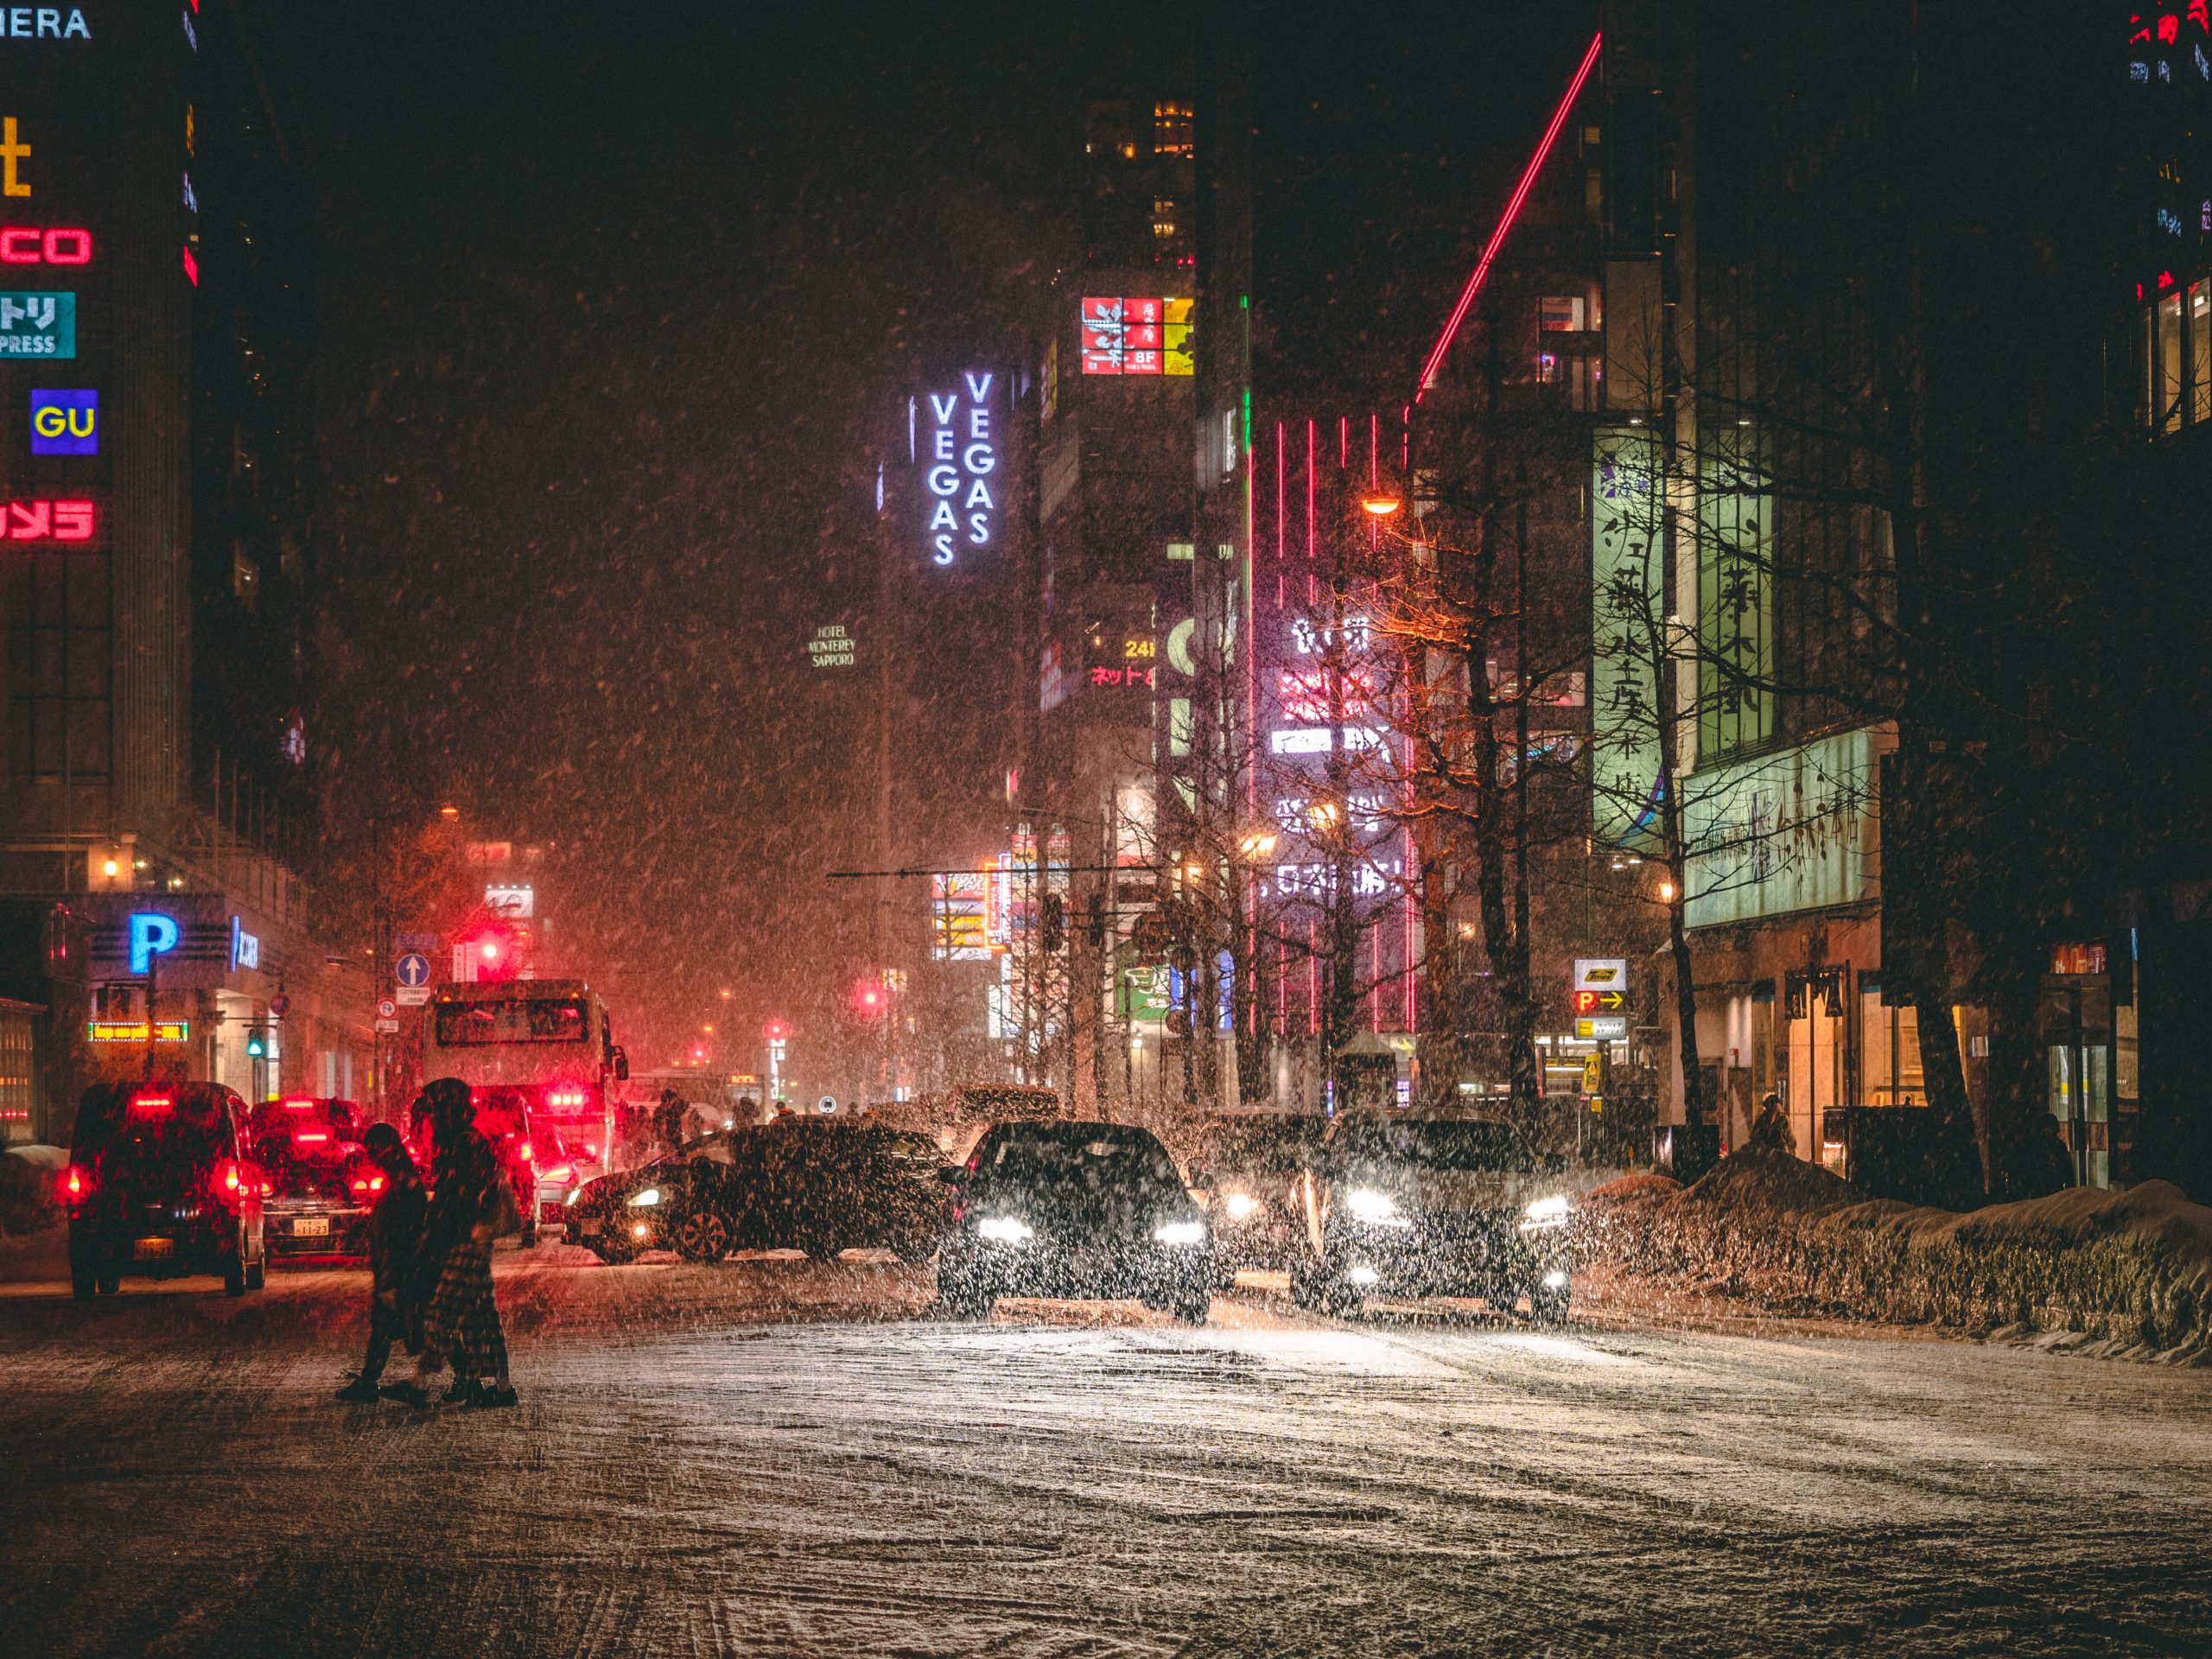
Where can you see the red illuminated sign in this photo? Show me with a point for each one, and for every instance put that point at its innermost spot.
(1586, 1001)
(1306, 693)
(1136, 336)
(20, 244)
(46, 521)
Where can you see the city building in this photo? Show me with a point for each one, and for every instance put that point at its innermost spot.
(156, 379)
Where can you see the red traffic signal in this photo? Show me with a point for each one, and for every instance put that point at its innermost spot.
(869, 999)
(775, 1029)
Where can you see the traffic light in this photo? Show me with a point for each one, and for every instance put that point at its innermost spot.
(870, 1000)
(1056, 922)
(1093, 923)
(256, 1042)
(775, 1031)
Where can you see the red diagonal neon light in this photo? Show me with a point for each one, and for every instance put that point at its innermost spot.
(1512, 212)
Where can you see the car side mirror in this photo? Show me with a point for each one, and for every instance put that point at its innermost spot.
(621, 1066)
(950, 1174)
(1200, 1179)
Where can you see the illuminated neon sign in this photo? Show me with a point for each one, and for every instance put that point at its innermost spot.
(65, 423)
(963, 455)
(1136, 336)
(46, 521)
(38, 325)
(152, 934)
(44, 23)
(22, 245)
(246, 948)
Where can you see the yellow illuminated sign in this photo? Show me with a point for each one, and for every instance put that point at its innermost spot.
(12, 150)
(128, 1031)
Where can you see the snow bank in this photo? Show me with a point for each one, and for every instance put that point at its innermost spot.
(2130, 1272)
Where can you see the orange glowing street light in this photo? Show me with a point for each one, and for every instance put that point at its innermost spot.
(1380, 506)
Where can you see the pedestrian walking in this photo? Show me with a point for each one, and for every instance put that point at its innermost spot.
(394, 1241)
(472, 1204)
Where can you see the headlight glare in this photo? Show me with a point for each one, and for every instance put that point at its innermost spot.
(1546, 1213)
(1005, 1230)
(1180, 1232)
(646, 1199)
(1376, 1208)
(1241, 1207)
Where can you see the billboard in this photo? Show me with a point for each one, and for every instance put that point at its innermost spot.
(65, 423)
(1130, 335)
(1628, 595)
(957, 904)
(1784, 832)
(959, 458)
(38, 325)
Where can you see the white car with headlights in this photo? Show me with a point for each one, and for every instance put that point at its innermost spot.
(1072, 1210)
(1408, 1205)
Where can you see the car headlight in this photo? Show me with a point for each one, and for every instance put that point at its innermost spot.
(646, 1199)
(1180, 1232)
(1005, 1230)
(1376, 1208)
(1241, 1207)
(1546, 1213)
(570, 1203)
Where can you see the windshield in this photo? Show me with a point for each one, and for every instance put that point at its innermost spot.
(1495, 1148)
(1276, 1148)
(1088, 1155)
(519, 1019)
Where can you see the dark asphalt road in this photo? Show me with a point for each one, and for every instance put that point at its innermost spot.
(777, 1458)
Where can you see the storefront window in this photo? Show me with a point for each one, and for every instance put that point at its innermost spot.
(2200, 349)
(1889, 1068)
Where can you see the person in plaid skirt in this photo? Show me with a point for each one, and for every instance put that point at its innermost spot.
(461, 1320)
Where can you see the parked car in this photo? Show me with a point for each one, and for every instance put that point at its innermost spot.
(1431, 1206)
(321, 1186)
(1245, 1173)
(160, 1183)
(825, 1185)
(1093, 1210)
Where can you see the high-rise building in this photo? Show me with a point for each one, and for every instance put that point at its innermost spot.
(156, 374)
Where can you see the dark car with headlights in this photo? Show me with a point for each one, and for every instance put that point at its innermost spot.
(815, 1185)
(321, 1186)
(1088, 1210)
(1245, 1173)
(160, 1183)
(682, 1202)
(1403, 1205)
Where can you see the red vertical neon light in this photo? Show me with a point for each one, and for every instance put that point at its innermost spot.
(1512, 212)
(1311, 552)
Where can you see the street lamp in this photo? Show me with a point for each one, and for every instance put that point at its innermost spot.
(1379, 506)
(1256, 844)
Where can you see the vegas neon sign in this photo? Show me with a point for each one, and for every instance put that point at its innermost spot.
(961, 456)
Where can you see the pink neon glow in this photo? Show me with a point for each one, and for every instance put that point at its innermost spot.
(1512, 212)
(1311, 552)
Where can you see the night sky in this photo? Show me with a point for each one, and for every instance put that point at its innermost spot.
(615, 297)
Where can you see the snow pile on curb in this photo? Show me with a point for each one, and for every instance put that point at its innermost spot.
(2130, 1272)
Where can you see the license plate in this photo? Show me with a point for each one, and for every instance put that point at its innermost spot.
(311, 1227)
(153, 1250)
(588, 1226)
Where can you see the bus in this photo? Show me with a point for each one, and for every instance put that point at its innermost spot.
(548, 1040)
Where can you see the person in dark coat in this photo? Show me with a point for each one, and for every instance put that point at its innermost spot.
(461, 1319)
(1770, 1131)
(395, 1240)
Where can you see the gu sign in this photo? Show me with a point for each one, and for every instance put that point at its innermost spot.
(960, 455)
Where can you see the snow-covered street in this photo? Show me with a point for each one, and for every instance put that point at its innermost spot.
(771, 1457)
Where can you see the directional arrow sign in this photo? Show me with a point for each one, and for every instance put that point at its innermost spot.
(1612, 1000)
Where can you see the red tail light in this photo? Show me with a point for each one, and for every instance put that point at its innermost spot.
(298, 1105)
(376, 1182)
(310, 1137)
(525, 1150)
(151, 1105)
(75, 1184)
(233, 1181)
